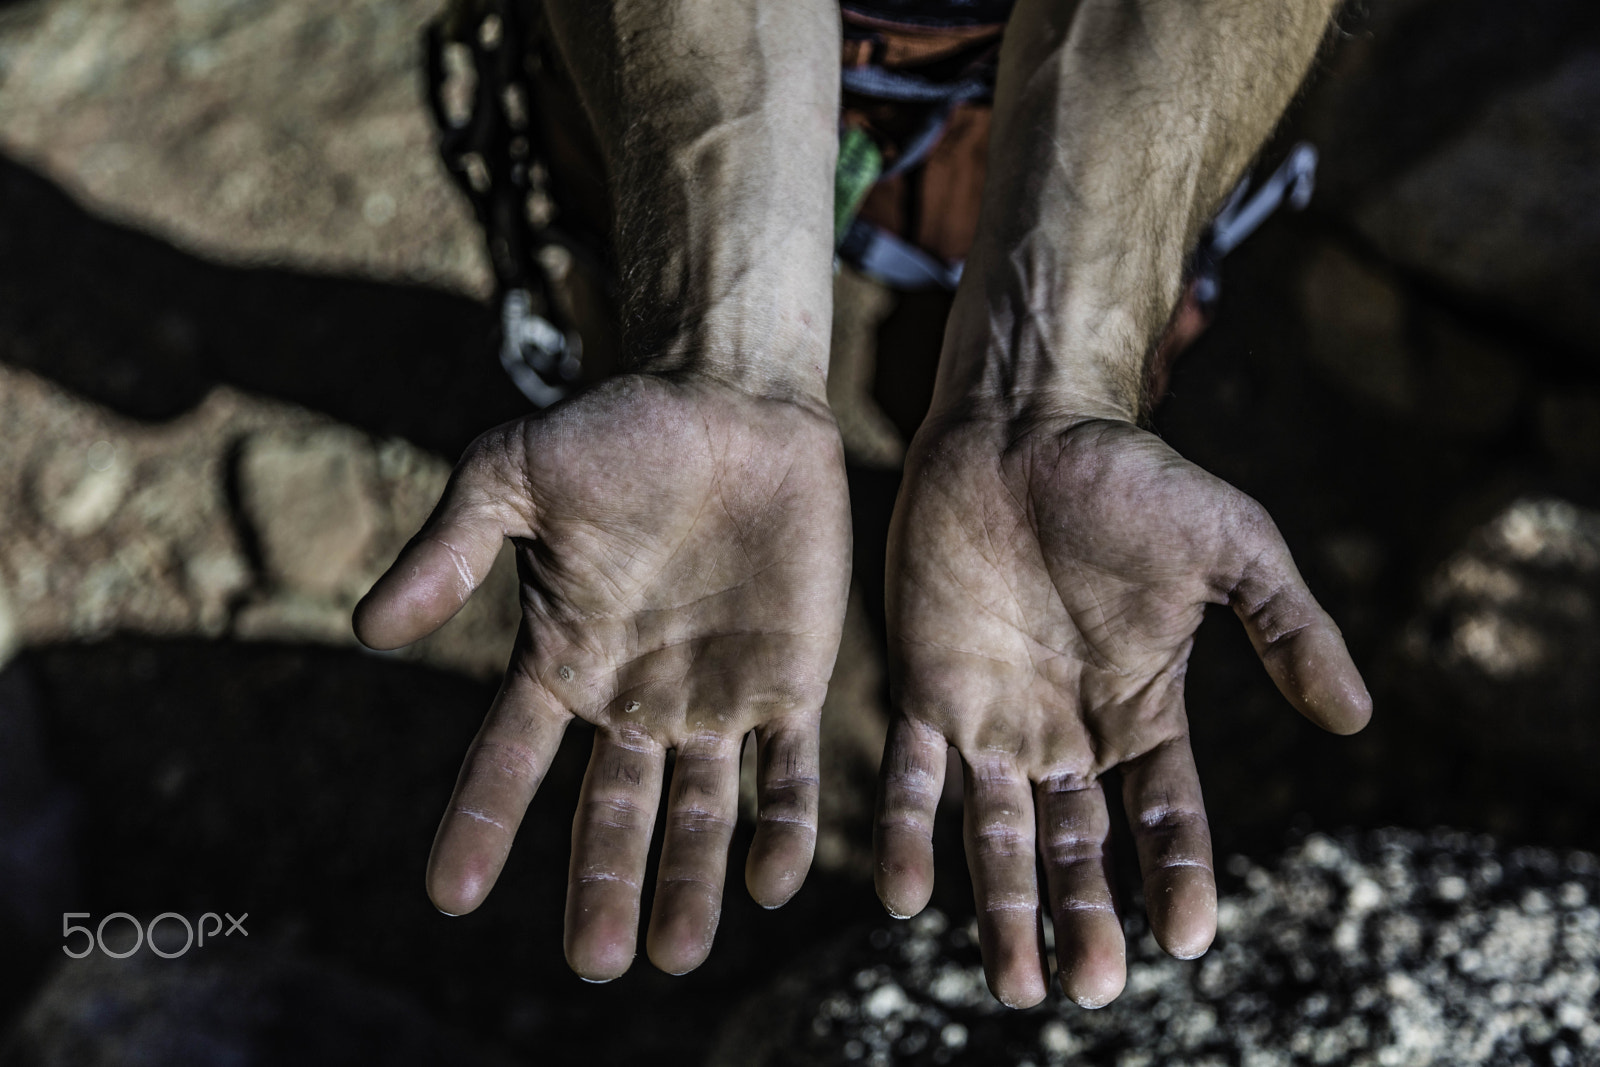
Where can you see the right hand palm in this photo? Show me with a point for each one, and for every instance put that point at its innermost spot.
(683, 551)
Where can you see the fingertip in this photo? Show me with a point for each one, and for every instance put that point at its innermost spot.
(1095, 982)
(1355, 710)
(1313, 669)
(1338, 705)
(458, 893)
(1018, 991)
(393, 614)
(778, 862)
(368, 623)
(1013, 960)
(904, 892)
(1182, 905)
(1093, 957)
(601, 952)
(454, 904)
(1093, 993)
(1188, 938)
(426, 586)
(678, 947)
(771, 888)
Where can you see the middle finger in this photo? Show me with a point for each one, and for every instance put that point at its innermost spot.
(610, 844)
(701, 810)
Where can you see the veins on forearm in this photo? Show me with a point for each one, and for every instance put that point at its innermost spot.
(716, 118)
(1120, 125)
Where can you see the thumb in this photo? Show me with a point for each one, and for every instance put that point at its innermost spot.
(1299, 644)
(448, 559)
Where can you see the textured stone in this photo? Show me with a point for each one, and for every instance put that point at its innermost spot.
(1398, 948)
(290, 132)
(1503, 650)
(101, 517)
(1506, 211)
(164, 553)
(309, 501)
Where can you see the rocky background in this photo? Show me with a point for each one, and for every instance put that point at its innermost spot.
(244, 330)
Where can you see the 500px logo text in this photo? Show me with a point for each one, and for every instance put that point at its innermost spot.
(195, 934)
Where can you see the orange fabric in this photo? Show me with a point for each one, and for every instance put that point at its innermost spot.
(935, 205)
(885, 205)
(952, 184)
(903, 45)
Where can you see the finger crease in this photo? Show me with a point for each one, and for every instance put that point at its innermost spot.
(604, 878)
(999, 840)
(1008, 906)
(625, 814)
(1074, 852)
(515, 761)
(700, 822)
(773, 785)
(1071, 906)
(1169, 818)
(459, 560)
(479, 815)
(714, 888)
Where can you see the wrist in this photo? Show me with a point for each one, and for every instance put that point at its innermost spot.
(767, 375)
(750, 310)
(1029, 382)
(787, 369)
(1030, 338)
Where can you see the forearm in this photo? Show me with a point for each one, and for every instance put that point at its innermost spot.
(718, 119)
(1119, 127)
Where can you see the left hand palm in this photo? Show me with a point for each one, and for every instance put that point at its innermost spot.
(1045, 587)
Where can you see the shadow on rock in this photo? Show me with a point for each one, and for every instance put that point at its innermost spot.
(129, 321)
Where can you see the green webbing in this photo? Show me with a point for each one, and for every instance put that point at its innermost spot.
(860, 163)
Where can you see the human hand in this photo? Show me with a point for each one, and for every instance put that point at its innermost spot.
(1045, 582)
(683, 548)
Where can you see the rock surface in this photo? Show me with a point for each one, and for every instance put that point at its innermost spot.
(1464, 214)
(1393, 949)
(245, 518)
(1504, 647)
(286, 133)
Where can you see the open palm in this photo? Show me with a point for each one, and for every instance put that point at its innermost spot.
(683, 551)
(1045, 586)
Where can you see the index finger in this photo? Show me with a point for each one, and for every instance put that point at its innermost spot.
(502, 770)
